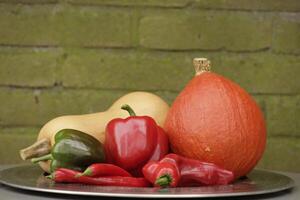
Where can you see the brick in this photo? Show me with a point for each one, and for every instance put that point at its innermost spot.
(93, 27)
(172, 70)
(35, 68)
(126, 70)
(24, 25)
(28, 1)
(157, 3)
(21, 131)
(207, 30)
(244, 31)
(286, 37)
(283, 114)
(13, 140)
(22, 107)
(266, 5)
(282, 153)
(261, 73)
(46, 25)
(17, 107)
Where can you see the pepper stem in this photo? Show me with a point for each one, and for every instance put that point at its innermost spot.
(128, 109)
(42, 158)
(50, 176)
(87, 172)
(164, 180)
(201, 65)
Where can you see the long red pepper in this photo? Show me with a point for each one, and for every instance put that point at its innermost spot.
(162, 174)
(197, 172)
(63, 175)
(103, 169)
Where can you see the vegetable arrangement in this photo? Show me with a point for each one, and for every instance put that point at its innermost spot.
(215, 130)
(144, 103)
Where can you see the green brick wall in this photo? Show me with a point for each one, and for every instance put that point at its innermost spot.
(61, 57)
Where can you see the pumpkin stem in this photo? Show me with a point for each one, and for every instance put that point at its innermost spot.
(201, 65)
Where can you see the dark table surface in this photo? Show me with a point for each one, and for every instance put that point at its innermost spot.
(9, 193)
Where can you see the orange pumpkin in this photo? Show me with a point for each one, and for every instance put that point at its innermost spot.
(214, 120)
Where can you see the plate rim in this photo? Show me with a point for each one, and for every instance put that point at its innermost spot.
(288, 186)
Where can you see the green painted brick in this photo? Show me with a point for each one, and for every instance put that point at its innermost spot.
(99, 69)
(181, 32)
(28, 1)
(94, 27)
(12, 141)
(244, 31)
(144, 70)
(17, 107)
(20, 131)
(53, 25)
(283, 114)
(282, 153)
(206, 30)
(287, 34)
(25, 25)
(261, 73)
(65, 102)
(158, 3)
(22, 107)
(126, 70)
(270, 5)
(35, 68)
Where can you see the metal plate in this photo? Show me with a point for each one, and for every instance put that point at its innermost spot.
(29, 177)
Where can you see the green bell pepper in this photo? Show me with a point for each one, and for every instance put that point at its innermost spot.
(73, 150)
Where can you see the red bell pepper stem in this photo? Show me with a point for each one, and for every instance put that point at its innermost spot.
(103, 169)
(128, 109)
(63, 175)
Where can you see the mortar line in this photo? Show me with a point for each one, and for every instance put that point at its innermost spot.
(70, 88)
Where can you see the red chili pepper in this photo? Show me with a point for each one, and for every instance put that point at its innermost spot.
(162, 174)
(131, 142)
(196, 172)
(103, 169)
(63, 175)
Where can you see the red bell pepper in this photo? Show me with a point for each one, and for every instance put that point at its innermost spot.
(162, 146)
(132, 142)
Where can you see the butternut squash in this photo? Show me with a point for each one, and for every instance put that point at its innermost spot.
(143, 103)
